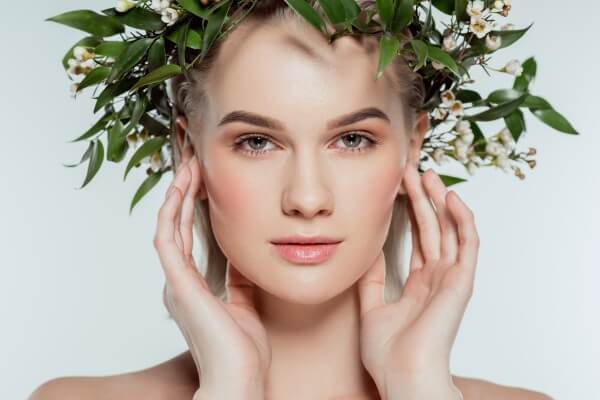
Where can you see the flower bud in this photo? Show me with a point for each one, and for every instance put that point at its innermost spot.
(531, 163)
(513, 67)
(532, 151)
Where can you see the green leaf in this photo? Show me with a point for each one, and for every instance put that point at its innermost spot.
(388, 48)
(132, 55)
(113, 90)
(138, 17)
(439, 55)
(85, 156)
(460, 7)
(334, 10)
(421, 51)
(149, 147)
(158, 75)
(499, 111)
(140, 107)
(503, 95)
(157, 56)
(386, 12)
(111, 49)
(194, 7)
(509, 36)
(117, 142)
(515, 122)
(89, 42)
(403, 15)
(351, 9)
(90, 22)
(445, 6)
(527, 76)
(94, 77)
(307, 11)
(478, 139)
(144, 188)
(194, 38)
(555, 120)
(451, 180)
(213, 26)
(536, 102)
(97, 127)
(181, 48)
(467, 96)
(96, 158)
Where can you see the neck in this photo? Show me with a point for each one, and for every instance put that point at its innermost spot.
(315, 348)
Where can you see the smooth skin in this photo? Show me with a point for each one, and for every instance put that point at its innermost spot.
(318, 332)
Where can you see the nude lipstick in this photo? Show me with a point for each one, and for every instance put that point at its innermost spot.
(306, 250)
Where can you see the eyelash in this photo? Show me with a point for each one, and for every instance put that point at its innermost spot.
(254, 153)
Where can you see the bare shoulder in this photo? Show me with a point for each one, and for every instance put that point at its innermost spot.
(481, 389)
(172, 379)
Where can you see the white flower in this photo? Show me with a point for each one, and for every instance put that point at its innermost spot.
(505, 136)
(513, 67)
(493, 42)
(440, 113)
(456, 108)
(447, 97)
(479, 26)
(449, 44)
(88, 65)
(159, 5)
(439, 156)
(75, 67)
(498, 5)
(507, 27)
(436, 65)
(502, 161)
(125, 5)
(462, 127)
(467, 137)
(82, 54)
(169, 16)
(462, 151)
(156, 162)
(475, 8)
(132, 140)
(74, 87)
(494, 148)
(471, 168)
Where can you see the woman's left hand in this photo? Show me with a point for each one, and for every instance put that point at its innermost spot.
(405, 345)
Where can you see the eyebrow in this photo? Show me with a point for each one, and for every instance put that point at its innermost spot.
(271, 123)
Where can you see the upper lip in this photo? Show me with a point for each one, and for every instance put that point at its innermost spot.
(306, 240)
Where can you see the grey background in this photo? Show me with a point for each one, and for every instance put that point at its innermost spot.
(80, 292)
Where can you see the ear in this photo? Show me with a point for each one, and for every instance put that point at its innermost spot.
(187, 151)
(184, 143)
(416, 138)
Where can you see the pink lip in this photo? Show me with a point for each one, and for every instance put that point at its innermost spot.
(306, 253)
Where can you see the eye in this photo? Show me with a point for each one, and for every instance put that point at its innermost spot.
(257, 143)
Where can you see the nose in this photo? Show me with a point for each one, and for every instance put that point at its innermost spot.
(308, 192)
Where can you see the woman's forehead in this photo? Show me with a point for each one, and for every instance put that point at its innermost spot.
(289, 69)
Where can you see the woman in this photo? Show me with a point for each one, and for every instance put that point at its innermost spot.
(265, 156)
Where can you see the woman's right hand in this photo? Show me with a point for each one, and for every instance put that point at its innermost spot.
(227, 340)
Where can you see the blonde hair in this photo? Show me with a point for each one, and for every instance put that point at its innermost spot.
(190, 97)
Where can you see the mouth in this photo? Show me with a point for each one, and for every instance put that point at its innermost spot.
(306, 253)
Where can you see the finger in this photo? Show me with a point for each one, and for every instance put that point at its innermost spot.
(429, 226)
(169, 253)
(187, 209)
(416, 257)
(182, 184)
(371, 286)
(468, 238)
(437, 191)
(240, 290)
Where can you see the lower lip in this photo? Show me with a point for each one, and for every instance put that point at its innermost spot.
(306, 253)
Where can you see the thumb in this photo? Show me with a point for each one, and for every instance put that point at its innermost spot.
(370, 286)
(240, 290)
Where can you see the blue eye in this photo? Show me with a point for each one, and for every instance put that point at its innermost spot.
(257, 143)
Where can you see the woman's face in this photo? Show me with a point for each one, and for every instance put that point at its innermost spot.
(305, 175)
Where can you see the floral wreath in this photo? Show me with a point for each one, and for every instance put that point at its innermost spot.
(132, 73)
